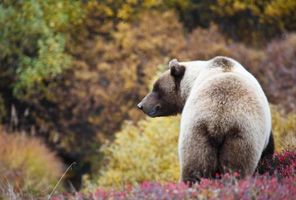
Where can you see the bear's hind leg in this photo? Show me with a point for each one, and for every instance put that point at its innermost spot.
(199, 157)
(238, 154)
(266, 157)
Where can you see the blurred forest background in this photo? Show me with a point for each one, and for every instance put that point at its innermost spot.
(73, 71)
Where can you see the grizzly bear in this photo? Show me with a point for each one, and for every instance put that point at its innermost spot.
(225, 116)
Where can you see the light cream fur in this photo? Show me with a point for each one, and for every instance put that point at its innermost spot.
(228, 106)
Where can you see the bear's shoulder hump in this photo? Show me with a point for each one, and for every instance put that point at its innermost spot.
(222, 62)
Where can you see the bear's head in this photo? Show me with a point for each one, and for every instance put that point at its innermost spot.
(165, 97)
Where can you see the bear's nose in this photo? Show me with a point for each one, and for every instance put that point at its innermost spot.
(140, 106)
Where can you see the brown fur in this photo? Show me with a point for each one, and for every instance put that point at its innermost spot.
(269, 150)
(199, 156)
(177, 71)
(217, 138)
(165, 95)
(221, 133)
(224, 63)
(229, 91)
(266, 156)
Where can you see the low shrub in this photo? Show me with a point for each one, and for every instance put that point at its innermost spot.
(280, 184)
(284, 128)
(279, 70)
(27, 166)
(147, 151)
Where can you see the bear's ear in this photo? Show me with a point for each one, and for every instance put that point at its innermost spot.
(176, 69)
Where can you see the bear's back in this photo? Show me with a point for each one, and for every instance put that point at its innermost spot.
(227, 99)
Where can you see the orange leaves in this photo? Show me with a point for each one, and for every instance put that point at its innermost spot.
(109, 76)
(27, 165)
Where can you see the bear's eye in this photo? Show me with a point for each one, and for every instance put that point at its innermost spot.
(157, 90)
(159, 93)
(156, 87)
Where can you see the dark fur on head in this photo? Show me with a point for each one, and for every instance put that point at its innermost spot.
(164, 99)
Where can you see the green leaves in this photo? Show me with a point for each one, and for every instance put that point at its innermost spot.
(50, 61)
(32, 42)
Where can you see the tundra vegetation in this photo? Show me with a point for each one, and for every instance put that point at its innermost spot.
(72, 73)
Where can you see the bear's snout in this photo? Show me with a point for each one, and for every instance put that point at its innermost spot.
(150, 105)
(150, 110)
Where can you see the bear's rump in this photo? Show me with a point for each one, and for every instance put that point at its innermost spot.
(224, 125)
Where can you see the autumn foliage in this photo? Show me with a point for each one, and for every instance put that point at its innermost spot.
(279, 185)
(27, 166)
(147, 151)
(72, 73)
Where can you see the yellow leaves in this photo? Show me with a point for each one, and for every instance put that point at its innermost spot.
(99, 8)
(280, 14)
(151, 3)
(124, 37)
(112, 75)
(233, 7)
(278, 7)
(254, 22)
(146, 151)
(238, 6)
(125, 12)
(284, 128)
(134, 2)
